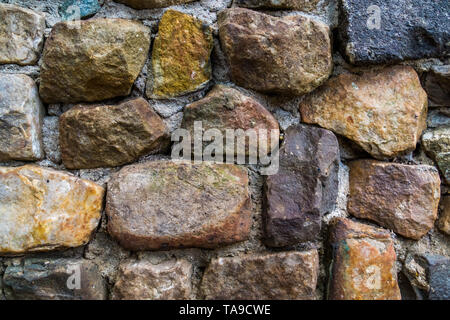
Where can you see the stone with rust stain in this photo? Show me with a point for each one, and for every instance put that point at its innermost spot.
(363, 263)
(444, 219)
(180, 56)
(281, 276)
(227, 108)
(92, 60)
(169, 204)
(43, 209)
(289, 55)
(304, 188)
(400, 197)
(383, 111)
(21, 118)
(143, 280)
(21, 34)
(110, 135)
(151, 4)
(436, 143)
(54, 279)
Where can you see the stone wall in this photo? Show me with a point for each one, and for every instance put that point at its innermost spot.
(92, 207)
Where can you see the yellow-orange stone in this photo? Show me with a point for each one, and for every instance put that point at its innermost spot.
(43, 209)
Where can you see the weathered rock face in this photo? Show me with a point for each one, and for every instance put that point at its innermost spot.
(444, 219)
(227, 108)
(436, 143)
(21, 113)
(150, 4)
(109, 136)
(304, 5)
(166, 204)
(437, 86)
(284, 275)
(304, 188)
(438, 271)
(378, 31)
(180, 56)
(92, 60)
(404, 198)
(42, 209)
(143, 280)
(382, 111)
(77, 9)
(363, 263)
(21, 35)
(289, 55)
(60, 279)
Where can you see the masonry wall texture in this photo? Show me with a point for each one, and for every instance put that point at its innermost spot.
(90, 91)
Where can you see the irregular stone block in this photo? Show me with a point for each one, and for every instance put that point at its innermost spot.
(289, 55)
(21, 35)
(444, 219)
(304, 188)
(378, 31)
(21, 114)
(383, 111)
(93, 60)
(180, 56)
(169, 204)
(303, 5)
(436, 143)
(438, 271)
(110, 135)
(284, 275)
(143, 280)
(363, 263)
(43, 209)
(437, 86)
(227, 108)
(400, 197)
(77, 9)
(60, 279)
(151, 4)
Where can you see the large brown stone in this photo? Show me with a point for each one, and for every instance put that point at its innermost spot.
(21, 34)
(444, 219)
(143, 280)
(281, 276)
(289, 55)
(43, 209)
(167, 204)
(21, 117)
(93, 60)
(401, 197)
(382, 111)
(436, 143)
(109, 136)
(304, 188)
(227, 108)
(151, 4)
(180, 56)
(363, 263)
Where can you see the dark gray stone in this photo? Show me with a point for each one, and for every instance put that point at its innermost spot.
(42, 279)
(437, 86)
(304, 188)
(438, 269)
(406, 29)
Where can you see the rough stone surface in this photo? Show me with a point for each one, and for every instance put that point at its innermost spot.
(110, 135)
(438, 117)
(50, 139)
(180, 56)
(363, 263)
(143, 280)
(382, 111)
(54, 279)
(303, 5)
(76, 9)
(227, 108)
(438, 270)
(444, 219)
(21, 34)
(304, 188)
(400, 197)
(436, 143)
(280, 276)
(378, 31)
(21, 113)
(92, 60)
(289, 55)
(437, 86)
(151, 4)
(167, 204)
(43, 209)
